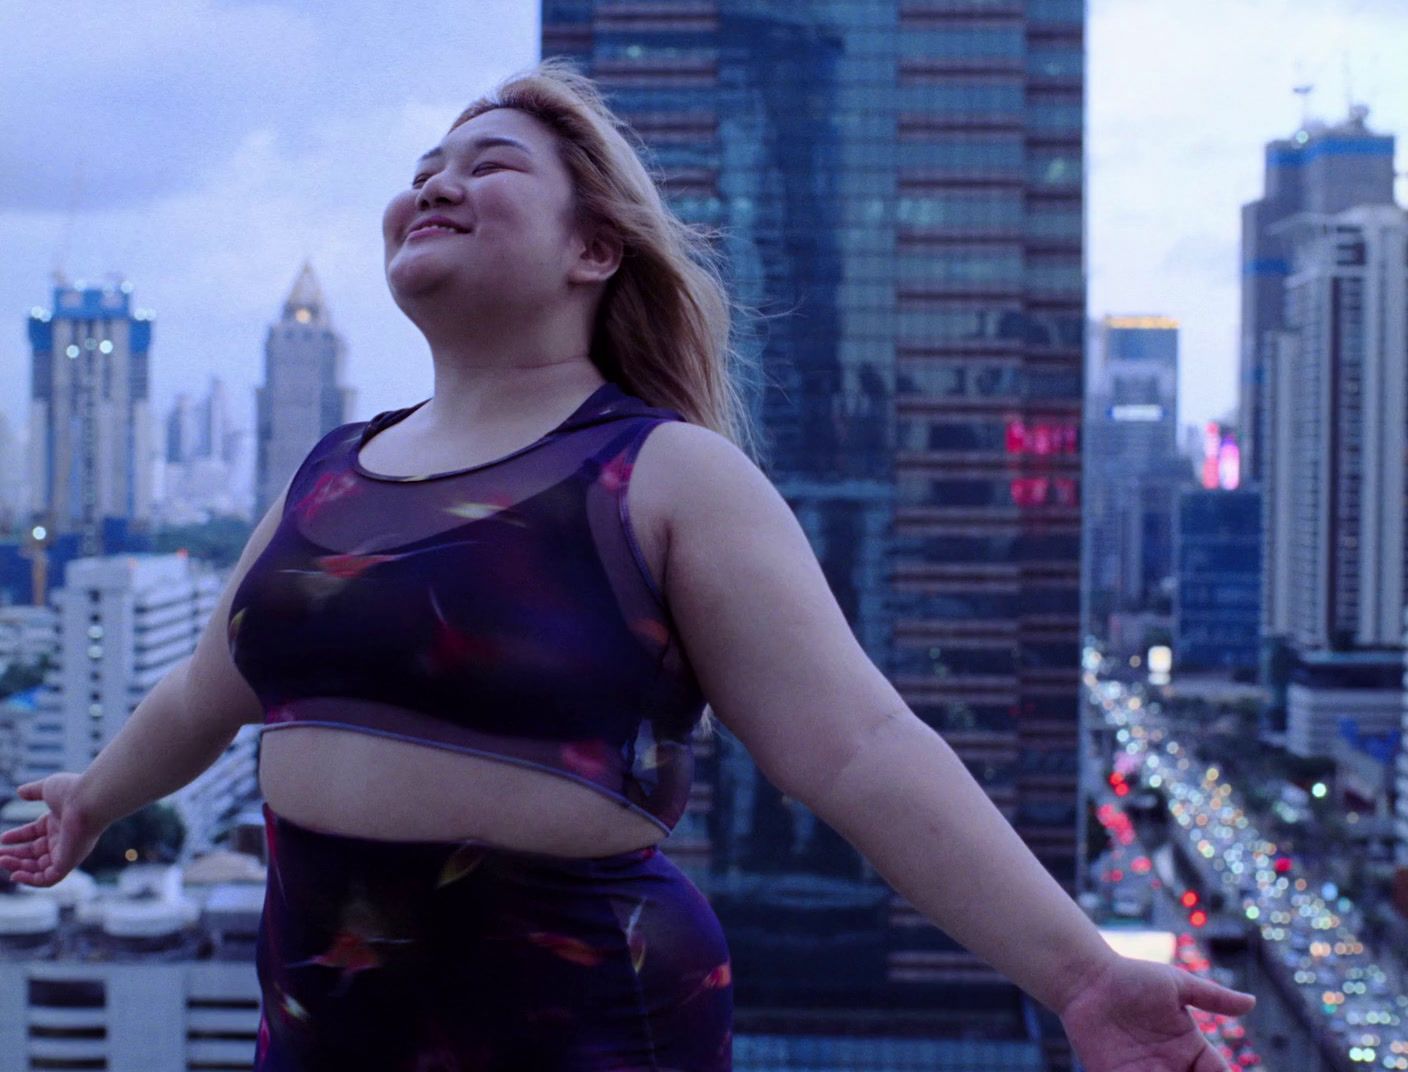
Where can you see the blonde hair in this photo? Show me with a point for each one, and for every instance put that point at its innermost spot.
(665, 326)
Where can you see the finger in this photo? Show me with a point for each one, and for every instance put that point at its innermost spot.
(31, 836)
(25, 848)
(20, 869)
(30, 790)
(23, 833)
(1209, 1061)
(22, 856)
(1211, 996)
(32, 878)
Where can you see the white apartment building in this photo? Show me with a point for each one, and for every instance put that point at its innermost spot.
(124, 621)
(156, 975)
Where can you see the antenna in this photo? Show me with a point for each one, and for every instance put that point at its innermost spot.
(1303, 91)
(62, 254)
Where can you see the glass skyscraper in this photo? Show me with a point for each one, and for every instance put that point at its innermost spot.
(1133, 469)
(900, 187)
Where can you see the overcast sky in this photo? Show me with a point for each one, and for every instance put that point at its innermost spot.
(203, 149)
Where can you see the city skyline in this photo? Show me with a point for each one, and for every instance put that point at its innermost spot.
(293, 152)
(1107, 641)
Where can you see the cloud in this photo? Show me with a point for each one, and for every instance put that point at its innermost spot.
(116, 108)
(120, 105)
(222, 144)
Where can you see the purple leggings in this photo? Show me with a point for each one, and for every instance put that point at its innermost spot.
(458, 956)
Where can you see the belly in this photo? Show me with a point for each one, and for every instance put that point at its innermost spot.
(355, 784)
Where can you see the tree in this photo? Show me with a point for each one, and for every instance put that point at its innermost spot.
(153, 834)
(218, 541)
(21, 676)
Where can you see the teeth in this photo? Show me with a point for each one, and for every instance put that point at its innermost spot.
(436, 227)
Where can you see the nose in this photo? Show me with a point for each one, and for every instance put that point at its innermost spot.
(435, 190)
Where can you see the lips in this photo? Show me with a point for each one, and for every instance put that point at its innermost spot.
(437, 220)
(434, 228)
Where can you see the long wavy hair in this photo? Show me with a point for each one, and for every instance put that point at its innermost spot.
(666, 326)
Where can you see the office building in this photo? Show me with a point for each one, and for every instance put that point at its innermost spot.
(14, 496)
(89, 430)
(1400, 804)
(181, 431)
(201, 476)
(1217, 597)
(124, 621)
(1133, 471)
(1321, 169)
(901, 188)
(1341, 421)
(302, 397)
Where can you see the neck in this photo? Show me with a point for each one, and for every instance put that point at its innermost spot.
(500, 371)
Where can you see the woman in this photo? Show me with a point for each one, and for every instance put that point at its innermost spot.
(479, 666)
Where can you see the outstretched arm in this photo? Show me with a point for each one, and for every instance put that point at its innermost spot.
(783, 671)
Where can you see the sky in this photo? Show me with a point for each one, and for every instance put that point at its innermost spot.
(203, 149)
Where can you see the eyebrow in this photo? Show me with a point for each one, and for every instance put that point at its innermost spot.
(480, 143)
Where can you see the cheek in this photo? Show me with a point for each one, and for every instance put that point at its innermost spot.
(397, 215)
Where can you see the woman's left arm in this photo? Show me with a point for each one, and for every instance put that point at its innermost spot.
(783, 671)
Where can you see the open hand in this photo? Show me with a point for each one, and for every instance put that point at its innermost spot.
(43, 851)
(1131, 1017)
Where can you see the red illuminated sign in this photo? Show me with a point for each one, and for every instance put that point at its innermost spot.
(1042, 437)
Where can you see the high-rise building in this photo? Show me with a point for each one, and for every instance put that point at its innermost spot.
(181, 431)
(902, 182)
(1400, 805)
(302, 397)
(1336, 487)
(1218, 591)
(89, 431)
(214, 437)
(13, 497)
(1133, 471)
(124, 621)
(1322, 169)
(201, 476)
(1344, 393)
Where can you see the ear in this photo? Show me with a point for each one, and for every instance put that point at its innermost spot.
(598, 257)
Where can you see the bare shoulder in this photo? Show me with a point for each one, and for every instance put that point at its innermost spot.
(771, 648)
(684, 471)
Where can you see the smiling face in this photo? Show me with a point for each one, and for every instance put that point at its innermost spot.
(498, 177)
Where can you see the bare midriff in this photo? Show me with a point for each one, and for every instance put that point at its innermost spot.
(360, 785)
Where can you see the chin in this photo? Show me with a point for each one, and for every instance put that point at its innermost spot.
(419, 276)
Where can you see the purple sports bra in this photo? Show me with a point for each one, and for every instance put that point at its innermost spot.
(503, 610)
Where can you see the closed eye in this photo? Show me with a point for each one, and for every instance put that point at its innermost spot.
(488, 163)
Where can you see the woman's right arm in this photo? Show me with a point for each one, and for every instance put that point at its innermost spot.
(188, 719)
(178, 730)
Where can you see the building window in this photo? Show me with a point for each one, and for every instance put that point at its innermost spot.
(67, 993)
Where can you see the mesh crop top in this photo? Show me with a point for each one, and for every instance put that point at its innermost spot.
(503, 610)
